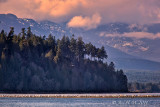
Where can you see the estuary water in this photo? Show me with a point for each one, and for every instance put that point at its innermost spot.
(79, 102)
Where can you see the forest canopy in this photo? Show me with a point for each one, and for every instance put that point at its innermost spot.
(45, 64)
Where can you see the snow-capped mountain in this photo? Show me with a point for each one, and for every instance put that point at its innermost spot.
(39, 28)
(130, 46)
(137, 40)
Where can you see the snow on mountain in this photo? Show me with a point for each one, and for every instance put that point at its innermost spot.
(124, 43)
(39, 28)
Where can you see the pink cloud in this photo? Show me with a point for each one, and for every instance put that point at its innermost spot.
(85, 22)
(129, 11)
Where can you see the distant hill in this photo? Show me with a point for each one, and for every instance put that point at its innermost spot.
(128, 62)
(143, 76)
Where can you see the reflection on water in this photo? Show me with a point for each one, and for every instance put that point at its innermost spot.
(79, 102)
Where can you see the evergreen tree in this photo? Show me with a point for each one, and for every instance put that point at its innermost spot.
(51, 41)
(21, 45)
(49, 54)
(111, 67)
(23, 33)
(55, 65)
(67, 47)
(29, 32)
(10, 35)
(93, 52)
(11, 32)
(80, 49)
(88, 49)
(2, 37)
(103, 53)
(58, 55)
(15, 39)
(72, 46)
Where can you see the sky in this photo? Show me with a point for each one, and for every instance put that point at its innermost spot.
(88, 14)
(85, 13)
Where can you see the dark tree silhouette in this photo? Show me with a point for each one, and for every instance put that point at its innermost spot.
(44, 64)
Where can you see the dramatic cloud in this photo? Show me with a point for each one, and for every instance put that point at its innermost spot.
(129, 11)
(138, 35)
(55, 10)
(85, 22)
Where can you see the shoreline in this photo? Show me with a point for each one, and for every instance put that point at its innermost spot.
(108, 95)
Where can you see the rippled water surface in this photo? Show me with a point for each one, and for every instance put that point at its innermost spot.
(79, 102)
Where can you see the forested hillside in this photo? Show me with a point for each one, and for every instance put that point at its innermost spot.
(39, 64)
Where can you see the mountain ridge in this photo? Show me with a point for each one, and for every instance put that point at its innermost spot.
(47, 27)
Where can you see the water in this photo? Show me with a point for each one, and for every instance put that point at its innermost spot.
(79, 102)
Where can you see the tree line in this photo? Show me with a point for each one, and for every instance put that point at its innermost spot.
(66, 47)
(144, 87)
(39, 63)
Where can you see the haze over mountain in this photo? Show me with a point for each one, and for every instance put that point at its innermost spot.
(126, 44)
